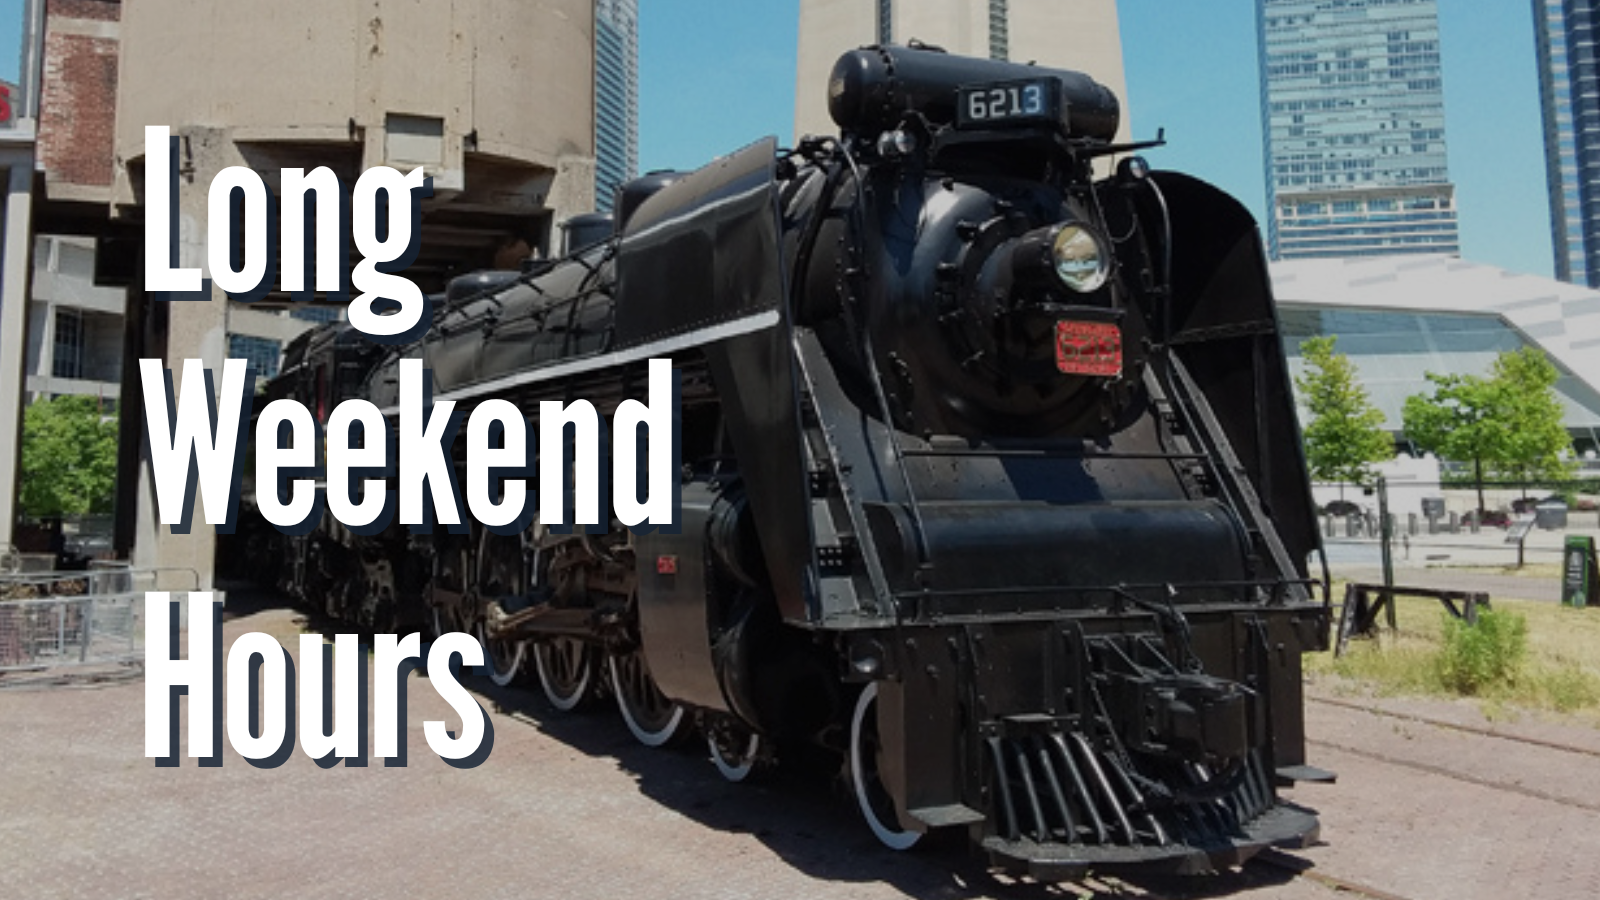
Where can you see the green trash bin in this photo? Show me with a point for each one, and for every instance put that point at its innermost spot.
(1580, 572)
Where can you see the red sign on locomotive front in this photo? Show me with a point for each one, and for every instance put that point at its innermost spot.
(1089, 348)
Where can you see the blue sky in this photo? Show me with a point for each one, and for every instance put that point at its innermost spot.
(10, 38)
(717, 75)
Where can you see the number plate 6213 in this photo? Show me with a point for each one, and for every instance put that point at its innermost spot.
(1007, 103)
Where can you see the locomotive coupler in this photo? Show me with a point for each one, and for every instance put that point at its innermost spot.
(1183, 716)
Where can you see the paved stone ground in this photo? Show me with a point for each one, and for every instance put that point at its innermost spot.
(572, 807)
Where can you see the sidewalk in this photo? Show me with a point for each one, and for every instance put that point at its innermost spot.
(1515, 587)
(1465, 561)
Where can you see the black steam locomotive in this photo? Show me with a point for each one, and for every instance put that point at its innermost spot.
(991, 482)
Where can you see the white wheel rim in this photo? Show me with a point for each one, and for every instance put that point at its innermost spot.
(892, 838)
(541, 653)
(645, 736)
(501, 677)
(731, 771)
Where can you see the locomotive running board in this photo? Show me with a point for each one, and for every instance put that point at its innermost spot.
(1309, 774)
(663, 347)
(946, 816)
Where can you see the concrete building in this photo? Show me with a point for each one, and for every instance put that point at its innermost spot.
(1569, 93)
(494, 99)
(616, 97)
(1352, 102)
(1399, 318)
(75, 328)
(1083, 36)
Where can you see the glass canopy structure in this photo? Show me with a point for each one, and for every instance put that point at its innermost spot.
(1400, 318)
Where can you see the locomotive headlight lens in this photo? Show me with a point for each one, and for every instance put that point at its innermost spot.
(1080, 263)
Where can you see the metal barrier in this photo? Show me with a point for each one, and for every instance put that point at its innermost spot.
(77, 626)
(97, 580)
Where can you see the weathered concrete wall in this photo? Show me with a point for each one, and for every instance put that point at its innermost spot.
(827, 29)
(1083, 36)
(415, 82)
(493, 98)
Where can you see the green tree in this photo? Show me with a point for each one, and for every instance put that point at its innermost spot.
(69, 458)
(1345, 435)
(1538, 437)
(1463, 419)
(1509, 423)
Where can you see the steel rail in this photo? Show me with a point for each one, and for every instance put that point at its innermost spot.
(1445, 772)
(1456, 726)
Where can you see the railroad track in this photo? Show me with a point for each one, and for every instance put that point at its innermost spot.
(1446, 771)
(1456, 726)
(1302, 868)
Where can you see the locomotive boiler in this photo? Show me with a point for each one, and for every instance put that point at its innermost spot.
(991, 483)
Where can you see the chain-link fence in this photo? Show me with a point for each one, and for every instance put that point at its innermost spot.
(77, 626)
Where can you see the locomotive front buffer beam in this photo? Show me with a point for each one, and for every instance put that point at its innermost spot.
(1089, 742)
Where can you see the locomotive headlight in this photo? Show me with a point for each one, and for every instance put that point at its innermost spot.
(1079, 260)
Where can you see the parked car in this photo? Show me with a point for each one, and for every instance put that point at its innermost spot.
(1343, 508)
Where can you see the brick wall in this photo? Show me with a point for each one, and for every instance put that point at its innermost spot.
(102, 10)
(78, 99)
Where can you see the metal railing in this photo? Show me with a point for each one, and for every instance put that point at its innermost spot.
(78, 626)
(98, 579)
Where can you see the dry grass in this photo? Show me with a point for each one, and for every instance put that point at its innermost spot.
(1561, 672)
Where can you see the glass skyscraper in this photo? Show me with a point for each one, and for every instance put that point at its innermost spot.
(1353, 120)
(616, 97)
(1568, 82)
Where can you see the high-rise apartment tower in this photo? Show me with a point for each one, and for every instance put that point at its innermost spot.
(1353, 120)
(1569, 90)
(616, 96)
(1082, 35)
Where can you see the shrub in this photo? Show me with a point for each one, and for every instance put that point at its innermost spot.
(1488, 654)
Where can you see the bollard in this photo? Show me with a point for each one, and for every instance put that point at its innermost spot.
(1455, 523)
(1472, 522)
(1351, 526)
(1412, 525)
